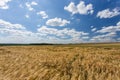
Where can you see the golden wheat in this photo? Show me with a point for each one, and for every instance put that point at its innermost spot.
(77, 62)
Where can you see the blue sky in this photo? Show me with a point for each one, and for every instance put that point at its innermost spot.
(59, 21)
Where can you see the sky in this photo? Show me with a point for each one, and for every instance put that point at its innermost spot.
(59, 21)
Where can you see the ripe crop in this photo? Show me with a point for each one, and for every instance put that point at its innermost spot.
(60, 62)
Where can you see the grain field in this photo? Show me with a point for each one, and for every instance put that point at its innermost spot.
(60, 62)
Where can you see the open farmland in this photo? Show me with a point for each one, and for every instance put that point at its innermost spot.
(60, 62)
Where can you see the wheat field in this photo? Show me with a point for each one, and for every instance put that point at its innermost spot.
(60, 62)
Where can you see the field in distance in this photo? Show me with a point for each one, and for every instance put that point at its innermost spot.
(60, 62)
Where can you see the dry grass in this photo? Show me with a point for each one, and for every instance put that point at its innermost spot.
(69, 62)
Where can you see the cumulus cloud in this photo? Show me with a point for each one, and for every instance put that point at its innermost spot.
(80, 8)
(57, 22)
(29, 5)
(84, 9)
(107, 13)
(8, 25)
(71, 8)
(42, 14)
(107, 34)
(45, 30)
(3, 4)
(12, 29)
(110, 28)
(17, 33)
(108, 37)
(64, 33)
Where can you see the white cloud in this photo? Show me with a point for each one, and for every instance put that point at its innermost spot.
(118, 24)
(33, 3)
(108, 37)
(118, 39)
(107, 29)
(71, 8)
(84, 9)
(8, 25)
(27, 16)
(57, 22)
(94, 29)
(42, 14)
(110, 28)
(107, 34)
(29, 5)
(80, 8)
(64, 33)
(107, 13)
(45, 30)
(17, 33)
(3, 4)
(12, 30)
(111, 34)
